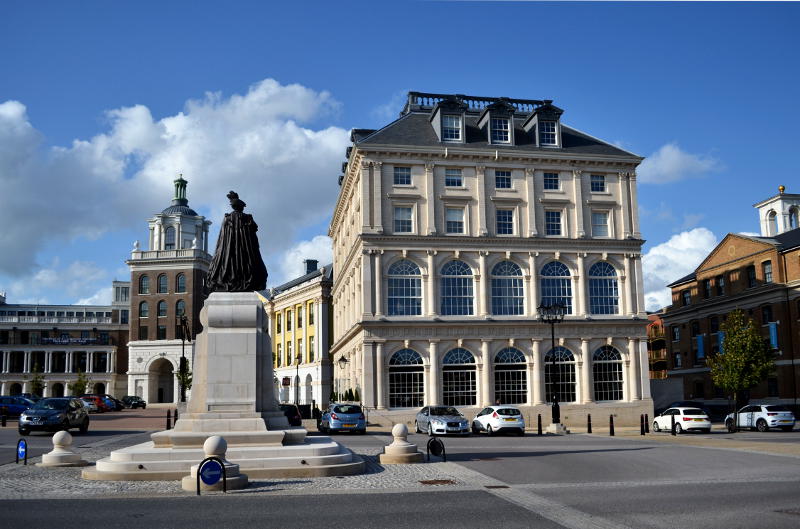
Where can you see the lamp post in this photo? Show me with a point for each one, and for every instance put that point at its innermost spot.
(342, 362)
(297, 379)
(183, 369)
(553, 314)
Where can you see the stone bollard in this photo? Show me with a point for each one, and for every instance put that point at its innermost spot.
(216, 446)
(400, 451)
(62, 454)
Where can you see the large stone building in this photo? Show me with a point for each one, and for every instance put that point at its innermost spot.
(300, 319)
(452, 225)
(167, 283)
(757, 274)
(57, 342)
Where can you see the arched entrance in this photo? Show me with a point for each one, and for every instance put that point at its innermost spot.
(100, 388)
(57, 390)
(161, 381)
(15, 389)
(309, 390)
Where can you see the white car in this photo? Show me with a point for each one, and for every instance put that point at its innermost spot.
(500, 418)
(90, 405)
(686, 420)
(763, 417)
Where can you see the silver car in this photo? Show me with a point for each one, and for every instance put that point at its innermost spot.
(441, 420)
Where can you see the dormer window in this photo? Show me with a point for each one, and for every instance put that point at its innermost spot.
(451, 127)
(500, 130)
(547, 133)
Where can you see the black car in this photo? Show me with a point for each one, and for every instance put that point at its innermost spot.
(132, 401)
(57, 413)
(292, 414)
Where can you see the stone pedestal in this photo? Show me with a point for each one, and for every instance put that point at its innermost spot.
(558, 429)
(217, 447)
(62, 454)
(400, 451)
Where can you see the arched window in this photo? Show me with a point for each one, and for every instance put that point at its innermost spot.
(793, 217)
(144, 285)
(180, 308)
(559, 378)
(169, 238)
(772, 222)
(456, 285)
(510, 380)
(405, 289)
(458, 378)
(507, 293)
(162, 309)
(144, 310)
(162, 284)
(406, 379)
(556, 286)
(607, 373)
(603, 289)
(180, 283)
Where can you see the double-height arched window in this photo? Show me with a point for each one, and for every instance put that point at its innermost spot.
(405, 289)
(406, 379)
(510, 379)
(607, 374)
(456, 289)
(507, 291)
(556, 285)
(603, 289)
(458, 378)
(559, 376)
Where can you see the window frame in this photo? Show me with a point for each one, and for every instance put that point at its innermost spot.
(606, 225)
(395, 170)
(542, 133)
(506, 177)
(447, 223)
(510, 229)
(548, 224)
(597, 183)
(450, 177)
(766, 271)
(395, 219)
(447, 129)
(498, 132)
(547, 181)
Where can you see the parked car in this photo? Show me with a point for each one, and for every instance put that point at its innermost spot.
(32, 397)
(57, 413)
(686, 419)
(441, 420)
(132, 401)
(14, 406)
(499, 418)
(90, 404)
(684, 404)
(343, 417)
(762, 417)
(99, 403)
(111, 403)
(292, 414)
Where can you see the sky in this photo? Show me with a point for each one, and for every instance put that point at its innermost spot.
(103, 103)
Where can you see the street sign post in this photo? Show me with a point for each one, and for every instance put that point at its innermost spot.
(22, 451)
(210, 470)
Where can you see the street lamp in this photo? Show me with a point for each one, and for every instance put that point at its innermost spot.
(297, 379)
(553, 314)
(183, 369)
(342, 362)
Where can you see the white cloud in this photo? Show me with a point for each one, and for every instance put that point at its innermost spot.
(101, 297)
(291, 266)
(253, 143)
(671, 164)
(55, 281)
(670, 261)
(390, 110)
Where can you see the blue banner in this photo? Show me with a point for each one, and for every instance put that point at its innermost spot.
(720, 341)
(701, 350)
(773, 334)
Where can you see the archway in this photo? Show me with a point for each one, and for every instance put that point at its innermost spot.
(161, 381)
(15, 389)
(57, 390)
(309, 392)
(100, 388)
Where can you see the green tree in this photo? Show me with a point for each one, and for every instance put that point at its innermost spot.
(184, 374)
(37, 380)
(744, 358)
(356, 396)
(78, 387)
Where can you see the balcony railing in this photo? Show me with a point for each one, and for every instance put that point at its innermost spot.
(169, 254)
(53, 319)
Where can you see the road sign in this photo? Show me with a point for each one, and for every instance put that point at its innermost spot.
(210, 472)
(22, 451)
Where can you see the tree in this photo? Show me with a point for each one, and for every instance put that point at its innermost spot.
(184, 374)
(37, 380)
(744, 358)
(78, 387)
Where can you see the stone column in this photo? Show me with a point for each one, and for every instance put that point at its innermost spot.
(68, 360)
(633, 353)
(634, 206)
(48, 361)
(26, 363)
(629, 309)
(644, 374)
(534, 292)
(626, 387)
(380, 375)
(626, 205)
(531, 206)
(378, 283)
(430, 285)
(5, 364)
(581, 291)
(586, 374)
(487, 388)
(638, 286)
(90, 361)
(484, 302)
(366, 286)
(377, 199)
(366, 205)
(430, 200)
(480, 173)
(109, 358)
(433, 348)
(578, 198)
(538, 373)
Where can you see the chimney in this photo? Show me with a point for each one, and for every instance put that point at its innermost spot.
(311, 265)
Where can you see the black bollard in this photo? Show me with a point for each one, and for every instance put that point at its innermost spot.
(539, 424)
(176, 415)
(646, 423)
(589, 423)
(672, 424)
(641, 424)
(169, 419)
(3, 417)
(611, 425)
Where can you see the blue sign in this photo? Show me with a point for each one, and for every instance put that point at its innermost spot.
(22, 448)
(210, 472)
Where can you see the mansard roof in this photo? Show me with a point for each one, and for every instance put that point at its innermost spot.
(328, 276)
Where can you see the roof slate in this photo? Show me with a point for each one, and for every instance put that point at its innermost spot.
(270, 293)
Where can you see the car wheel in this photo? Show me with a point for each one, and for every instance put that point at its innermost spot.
(678, 429)
(362, 432)
(761, 425)
(521, 432)
(416, 427)
(787, 428)
(85, 425)
(489, 430)
(430, 430)
(475, 429)
(24, 431)
(656, 427)
(729, 425)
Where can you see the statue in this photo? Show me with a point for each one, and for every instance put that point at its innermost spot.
(237, 264)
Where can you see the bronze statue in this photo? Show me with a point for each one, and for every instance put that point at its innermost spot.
(237, 264)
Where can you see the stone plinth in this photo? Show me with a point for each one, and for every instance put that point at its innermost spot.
(62, 454)
(216, 446)
(400, 451)
(558, 429)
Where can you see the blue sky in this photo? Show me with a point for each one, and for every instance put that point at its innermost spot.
(101, 103)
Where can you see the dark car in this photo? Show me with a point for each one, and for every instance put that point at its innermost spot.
(292, 414)
(58, 413)
(132, 401)
(14, 406)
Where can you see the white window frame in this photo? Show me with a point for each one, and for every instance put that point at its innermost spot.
(513, 212)
(607, 213)
(449, 128)
(510, 176)
(460, 177)
(494, 127)
(561, 222)
(603, 181)
(558, 180)
(463, 220)
(397, 206)
(554, 132)
(394, 176)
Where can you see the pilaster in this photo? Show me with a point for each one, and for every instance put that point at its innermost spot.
(578, 199)
(430, 200)
(480, 173)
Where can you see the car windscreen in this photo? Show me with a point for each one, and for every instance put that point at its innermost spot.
(693, 411)
(444, 410)
(347, 409)
(777, 408)
(51, 404)
(508, 411)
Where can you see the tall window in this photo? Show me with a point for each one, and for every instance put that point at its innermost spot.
(766, 314)
(402, 176)
(597, 183)
(551, 181)
(279, 355)
(169, 239)
(510, 379)
(406, 380)
(600, 223)
(713, 325)
(278, 323)
(501, 130)
(402, 219)
(300, 317)
(144, 310)
(311, 349)
(454, 220)
(405, 289)
(162, 309)
(766, 267)
(451, 127)
(603, 289)
(706, 288)
(502, 179)
(162, 284)
(560, 377)
(507, 292)
(288, 320)
(772, 222)
(686, 296)
(311, 313)
(144, 285)
(458, 378)
(289, 357)
(552, 222)
(751, 276)
(547, 133)
(793, 218)
(300, 351)
(505, 221)
(161, 332)
(452, 178)
(556, 285)
(180, 283)
(456, 287)
(607, 374)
